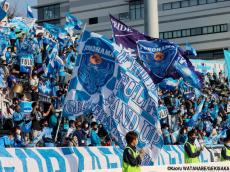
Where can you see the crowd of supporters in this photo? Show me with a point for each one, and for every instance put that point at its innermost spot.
(46, 90)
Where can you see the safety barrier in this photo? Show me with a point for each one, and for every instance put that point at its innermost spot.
(83, 158)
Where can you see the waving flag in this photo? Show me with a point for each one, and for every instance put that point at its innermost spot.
(169, 84)
(190, 50)
(127, 37)
(110, 83)
(29, 12)
(55, 30)
(197, 114)
(227, 63)
(163, 59)
(19, 24)
(73, 22)
(2, 12)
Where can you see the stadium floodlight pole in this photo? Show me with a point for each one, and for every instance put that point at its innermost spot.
(151, 18)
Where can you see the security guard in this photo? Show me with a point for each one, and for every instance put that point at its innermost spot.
(225, 152)
(191, 152)
(132, 157)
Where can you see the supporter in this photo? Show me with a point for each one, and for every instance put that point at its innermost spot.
(95, 139)
(18, 117)
(7, 140)
(81, 136)
(34, 81)
(166, 135)
(85, 128)
(18, 139)
(36, 116)
(45, 135)
(131, 157)
(182, 136)
(71, 128)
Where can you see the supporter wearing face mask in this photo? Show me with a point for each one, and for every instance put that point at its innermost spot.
(80, 134)
(95, 139)
(36, 116)
(45, 135)
(34, 81)
(18, 140)
(71, 128)
(191, 151)
(18, 116)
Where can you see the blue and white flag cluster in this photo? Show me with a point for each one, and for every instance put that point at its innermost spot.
(110, 83)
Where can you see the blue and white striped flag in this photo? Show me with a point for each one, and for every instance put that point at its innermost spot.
(113, 86)
(29, 12)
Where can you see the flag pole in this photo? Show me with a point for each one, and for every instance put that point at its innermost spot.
(58, 127)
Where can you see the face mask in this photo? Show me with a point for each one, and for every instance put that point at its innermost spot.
(228, 144)
(86, 125)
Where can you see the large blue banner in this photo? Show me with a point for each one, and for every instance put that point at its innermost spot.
(117, 90)
(82, 158)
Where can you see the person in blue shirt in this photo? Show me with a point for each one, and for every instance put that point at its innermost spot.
(166, 135)
(7, 140)
(95, 139)
(18, 117)
(45, 135)
(18, 140)
(182, 136)
(8, 55)
(13, 38)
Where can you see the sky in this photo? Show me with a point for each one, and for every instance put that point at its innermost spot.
(20, 6)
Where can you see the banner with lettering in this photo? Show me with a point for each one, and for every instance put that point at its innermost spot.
(164, 59)
(78, 159)
(113, 86)
(26, 62)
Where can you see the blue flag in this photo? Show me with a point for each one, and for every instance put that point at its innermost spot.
(163, 59)
(169, 84)
(56, 31)
(197, 114)
(227, 63)
(190, 50)
(73, 22)
(2, 13)
(29, 12)
(110, 83)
